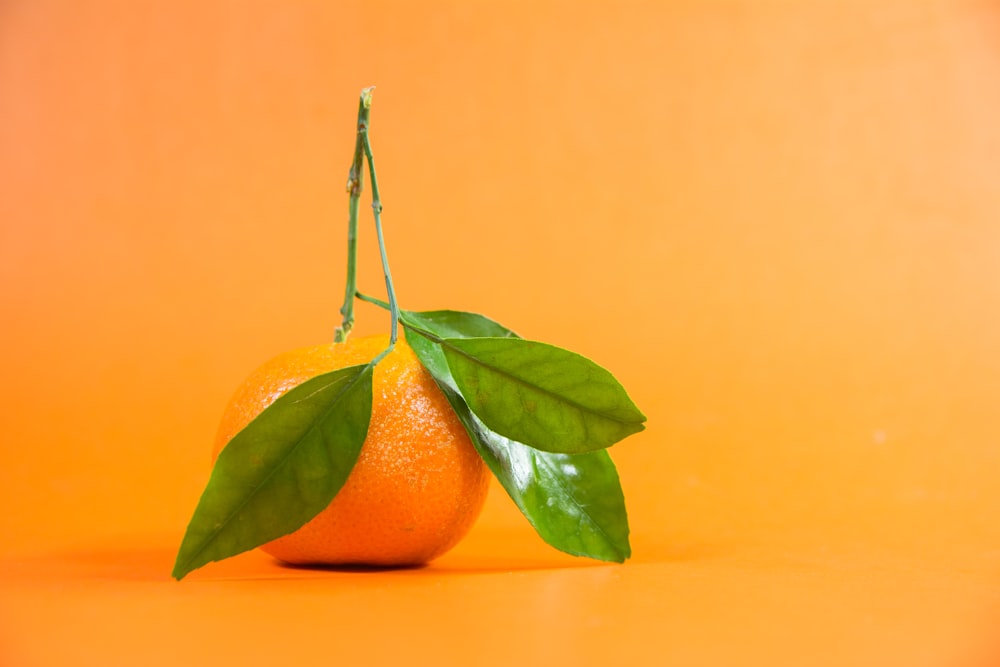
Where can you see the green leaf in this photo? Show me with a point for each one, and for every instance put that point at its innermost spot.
(283, 469)
(573, 501)
(441, 324)
(446, 324)
(546, 397)
(455, 324)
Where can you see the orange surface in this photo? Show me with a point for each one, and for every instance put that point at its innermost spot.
(776, 222)
(418, 485)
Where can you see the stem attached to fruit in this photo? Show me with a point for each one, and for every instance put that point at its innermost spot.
(377, 210)
(355, 184)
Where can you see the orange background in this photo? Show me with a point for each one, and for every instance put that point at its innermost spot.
(775, 222)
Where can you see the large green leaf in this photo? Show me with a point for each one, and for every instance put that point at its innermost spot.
(544, 396)
(283, 469)
(574, 501)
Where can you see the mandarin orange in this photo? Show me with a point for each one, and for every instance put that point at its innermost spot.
(418, 484)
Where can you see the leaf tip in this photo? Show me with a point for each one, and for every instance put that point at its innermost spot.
(182, 566)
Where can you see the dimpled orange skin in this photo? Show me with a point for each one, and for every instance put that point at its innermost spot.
(418, 484)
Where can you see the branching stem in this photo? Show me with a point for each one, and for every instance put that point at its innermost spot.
(355, 180)
(355, 184)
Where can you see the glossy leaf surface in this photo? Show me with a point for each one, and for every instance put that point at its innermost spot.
(282, 469)
(456, 324)
(544, 396)
(574, 502)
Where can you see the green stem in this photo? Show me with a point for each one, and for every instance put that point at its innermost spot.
(375, 301)
(355, 184)
(377, 210)
(434, 338)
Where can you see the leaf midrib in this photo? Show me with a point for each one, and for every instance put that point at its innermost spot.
(608, 539)
(212, 536)
(458, 403)
(543, 390)
(539, 458)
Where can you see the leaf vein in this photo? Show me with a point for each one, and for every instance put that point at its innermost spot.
(525, 383)
(274, 470)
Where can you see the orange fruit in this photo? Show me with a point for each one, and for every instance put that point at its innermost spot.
(418, 484)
